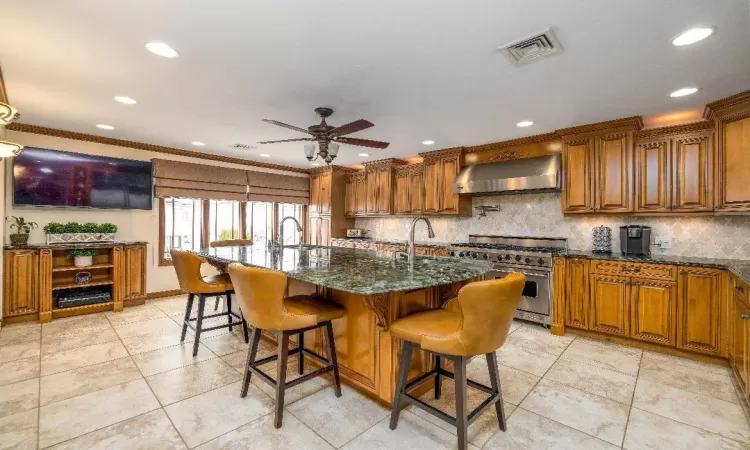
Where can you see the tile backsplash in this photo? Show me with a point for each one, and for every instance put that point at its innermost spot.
(541, 215)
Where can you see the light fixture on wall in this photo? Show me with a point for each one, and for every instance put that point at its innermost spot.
(326, 151)
(10, 149)
(8, 114)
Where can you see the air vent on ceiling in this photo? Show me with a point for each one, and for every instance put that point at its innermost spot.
(243, 146)
(532, 48)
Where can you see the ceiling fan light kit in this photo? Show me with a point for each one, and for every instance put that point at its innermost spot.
(328, 137)
(9, 114)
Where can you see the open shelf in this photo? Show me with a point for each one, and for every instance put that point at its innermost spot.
(85, 309)
(91, 267)
(57, 286)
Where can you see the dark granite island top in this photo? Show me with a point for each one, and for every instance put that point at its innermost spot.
(352, 270)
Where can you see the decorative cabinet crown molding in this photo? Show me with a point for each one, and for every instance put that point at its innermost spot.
(732, 105)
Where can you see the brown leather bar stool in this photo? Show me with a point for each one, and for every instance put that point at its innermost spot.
(261, 294)
(480, 326)
(228, 243)
(188, 268)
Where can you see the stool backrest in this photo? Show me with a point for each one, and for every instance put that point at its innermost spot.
(231, 243)
(260, 293)
(188, 268)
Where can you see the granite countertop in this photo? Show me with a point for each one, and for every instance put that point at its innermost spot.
(352, 270)
(431, 244)
(73, 244)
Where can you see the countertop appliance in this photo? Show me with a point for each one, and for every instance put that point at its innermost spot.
(355, 232)
(541, 173)
(635, 240)
(528, 255)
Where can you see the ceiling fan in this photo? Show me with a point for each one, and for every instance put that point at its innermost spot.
(328, 137)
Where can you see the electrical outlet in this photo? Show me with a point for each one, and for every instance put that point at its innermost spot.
(663, 242)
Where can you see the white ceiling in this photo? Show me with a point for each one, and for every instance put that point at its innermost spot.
(418, 69)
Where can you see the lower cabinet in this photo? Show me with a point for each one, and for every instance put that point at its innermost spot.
(577, 291)
(739, 333)
(21, 285)
(134, 272)
(701, 310)
(653, 309)
(610, 304)
(319, 230)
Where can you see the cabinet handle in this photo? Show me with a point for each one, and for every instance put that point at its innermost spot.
(744, 316)
(739, 289)
(682, 272)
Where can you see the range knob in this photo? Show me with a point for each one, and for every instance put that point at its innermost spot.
(507, 257)
(475, 255)
(452, 253)
(499, 258)
(485, 256)
(518, 257)
(461, 254)
(527, 260)
(540, 261)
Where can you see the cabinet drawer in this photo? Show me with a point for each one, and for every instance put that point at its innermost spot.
(644, 270)
(740, 288)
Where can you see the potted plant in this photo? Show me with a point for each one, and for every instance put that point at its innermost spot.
(82, 257)
(23, 228)
(79, 232)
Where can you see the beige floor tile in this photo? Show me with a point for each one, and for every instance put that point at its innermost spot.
(514, 383)
(188, 381)
(238, 359)
(19, 370)
(175, 306)
(589, 413)
(207, 416)
(81, 357)
(707, 413)
(152, 430)
(18, 397)
(338, 419)
(60, 342)
(412, 432)
(19, 431)
(611, 346)
(527, 430)
(687, 366)
(596, 380)
(133, 314)
(225, 344)
(481, 430)
(83, 414)
(523, 358)
(22, 350)
(164, 359)
(261, 434)
(72, 383)
(538, 339)
(649, 431)
(588, 352)
(215, 322)
(21, 332)
(156, 326)
(515, 325)
(713, 384)
(143, 343)
(294, 393)
(76, 324)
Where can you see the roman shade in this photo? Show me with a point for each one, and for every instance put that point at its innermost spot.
(186, 180)
(273, 187)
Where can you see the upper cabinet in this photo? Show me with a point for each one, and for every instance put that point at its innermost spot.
(612, 176)
(371, 192)
(578, 165)
(410, 190)
(329, 211)
(440, 170)
(320, 193)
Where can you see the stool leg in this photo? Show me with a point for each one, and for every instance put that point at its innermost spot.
(187, 316)
(462, 422)
(301, 358)
(495, 382)
(281, 377)
(199, 323)
(216, 305)
(331, 348)
(251, 352)
(403, 372)
(230, 320)
(437, 377)
(244, 327)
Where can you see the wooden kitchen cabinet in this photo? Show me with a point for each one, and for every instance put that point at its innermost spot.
(360, 191)
(653, 176)
(385, 191)
(578, 167)
(320, 193)
(319, 230)
(739, 337)
(439, 171)
(692, 176)
(350, 196)
(612, 178)
(653, 307)
(431, 186)
(610, 304)
(409, 193)
(328, 214)
(21, 285)
(577, 305)
(373, 191)
(701, 310)
(134, 272)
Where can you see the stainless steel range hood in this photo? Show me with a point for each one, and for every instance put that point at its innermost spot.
(541, 173)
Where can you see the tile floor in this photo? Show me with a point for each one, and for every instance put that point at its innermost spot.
(109, 381)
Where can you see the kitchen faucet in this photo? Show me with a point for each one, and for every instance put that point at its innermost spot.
(281, 231)
(430, 234)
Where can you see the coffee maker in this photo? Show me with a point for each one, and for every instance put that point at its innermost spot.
(635, 240)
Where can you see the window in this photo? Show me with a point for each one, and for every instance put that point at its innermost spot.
(223, 220)
(260, 222)
(291, 235)
(182, 224)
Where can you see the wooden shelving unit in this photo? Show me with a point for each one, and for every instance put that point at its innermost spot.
(57, 287)
(78, 269)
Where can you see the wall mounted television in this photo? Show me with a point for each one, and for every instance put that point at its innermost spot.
(44, 177)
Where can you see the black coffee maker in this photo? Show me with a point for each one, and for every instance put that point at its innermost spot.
(635, 240)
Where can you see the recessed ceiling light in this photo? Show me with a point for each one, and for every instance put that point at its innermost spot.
(364, 155)
(126, 100)
(692, 36)
(683, 92)
(315, 164)
(428, 142)
(198, 143)
(162, 49)
(525, 123)
(265, 155)
(104, 126)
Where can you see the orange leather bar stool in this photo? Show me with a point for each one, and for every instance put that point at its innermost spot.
(479, 327)
(261, 295)
(188, 268)
(228, 243)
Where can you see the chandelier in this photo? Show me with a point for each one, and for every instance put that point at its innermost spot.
(327, 151)
(7, 115)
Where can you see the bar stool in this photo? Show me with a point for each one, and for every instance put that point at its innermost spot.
(188, 265)
(228, 243)
(261, 294)
(480, 326)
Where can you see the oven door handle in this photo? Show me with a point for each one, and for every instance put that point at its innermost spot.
(533, 274)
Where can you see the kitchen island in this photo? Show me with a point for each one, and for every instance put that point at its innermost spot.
(374, 289)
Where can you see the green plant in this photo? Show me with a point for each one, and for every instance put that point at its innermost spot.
(75, 227)
(72, 227)
(20, 224)
(82, 252)
(89, 227)
(226, 233)
(107, 228)
(53, 228)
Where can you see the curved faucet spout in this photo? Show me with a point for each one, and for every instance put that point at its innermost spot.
(281, 230)
(430, 234)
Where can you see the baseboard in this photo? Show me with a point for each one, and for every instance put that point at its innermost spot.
(162, 294)
(134, 302)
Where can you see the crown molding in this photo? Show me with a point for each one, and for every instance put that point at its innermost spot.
(694, 127)
(634, 123)
(727, 106)
(383, 163)
(25, 128)
(536, 139)
(444, 153)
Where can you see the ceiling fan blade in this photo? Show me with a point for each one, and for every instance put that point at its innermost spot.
(286, 140)
(286, 125)
(362, 142)
(351, 127)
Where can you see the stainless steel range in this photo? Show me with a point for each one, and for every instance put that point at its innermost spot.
(529, 256)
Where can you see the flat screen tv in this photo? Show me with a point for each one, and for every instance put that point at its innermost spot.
(53, 178)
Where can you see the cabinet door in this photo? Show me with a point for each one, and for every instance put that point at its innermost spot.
(416, 192)
(612, 183)
(652, 176)
(739, 337)
(577, 306)
(373, 187)
(134, 272)
(700, 311)
(361, 195)
(610, 296)
(385, 191)
(431, 186)
(315, 194)
(21, 281)
(446, 176)
(324, 230)
(734, 165)
(693, 177)
(403, 186)
(578, 165)
(313, 230)
(653, 311)
(324, 197)
(350, 197)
